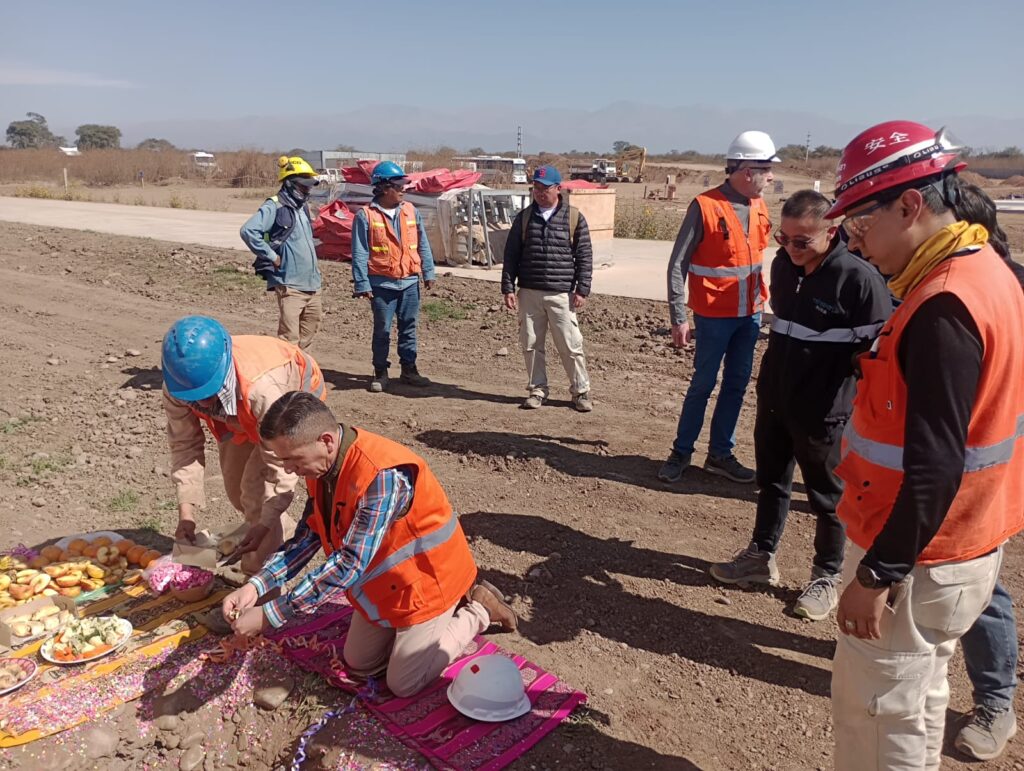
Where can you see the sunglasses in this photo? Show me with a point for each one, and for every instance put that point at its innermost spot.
(799, 242)
(857, 225)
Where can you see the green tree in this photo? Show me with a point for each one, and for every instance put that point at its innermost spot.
(476, 151)
(33, 132)
(94, 137)
(156, 145)
(621, 145)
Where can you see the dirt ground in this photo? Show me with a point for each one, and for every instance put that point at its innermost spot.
(607, 566)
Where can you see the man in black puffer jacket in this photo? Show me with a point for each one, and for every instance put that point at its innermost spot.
(829, 305)
(548, 254)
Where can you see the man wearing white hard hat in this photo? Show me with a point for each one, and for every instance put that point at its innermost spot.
(715, 269)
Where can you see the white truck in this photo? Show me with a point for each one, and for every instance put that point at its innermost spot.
(598, 170)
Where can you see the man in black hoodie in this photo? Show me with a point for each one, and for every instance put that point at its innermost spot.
(828, 306)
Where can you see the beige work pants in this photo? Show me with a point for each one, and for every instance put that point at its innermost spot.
(538, 310)
(415, 655)
(300, 315)
(243, 472)
(889, 695)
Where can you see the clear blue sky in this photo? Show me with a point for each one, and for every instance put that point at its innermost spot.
(118, 62)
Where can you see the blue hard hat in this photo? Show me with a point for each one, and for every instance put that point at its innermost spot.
(195, 359)
(386, 170)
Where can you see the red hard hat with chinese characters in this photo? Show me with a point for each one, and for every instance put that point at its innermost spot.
(888, 155)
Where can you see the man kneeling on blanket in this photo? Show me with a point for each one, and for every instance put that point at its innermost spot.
(393, 544)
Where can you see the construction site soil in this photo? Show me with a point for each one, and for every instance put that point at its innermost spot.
(606, 565)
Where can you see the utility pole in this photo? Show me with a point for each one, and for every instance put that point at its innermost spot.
(807, 149)
(519, 142)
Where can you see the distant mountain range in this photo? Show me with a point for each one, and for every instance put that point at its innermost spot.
(493, 127)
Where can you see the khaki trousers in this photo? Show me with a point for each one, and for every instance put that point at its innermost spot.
(300, 315)
(889, 695)
(539, 309)
(415, 655)
(243, 471)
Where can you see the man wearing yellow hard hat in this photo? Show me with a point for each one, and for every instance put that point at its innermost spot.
(280, 234)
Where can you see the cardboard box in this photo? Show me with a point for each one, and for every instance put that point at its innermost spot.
(201, 554)
(205, 553)
(10, 640)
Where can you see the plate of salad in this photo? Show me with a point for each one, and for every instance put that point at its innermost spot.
(87, 639)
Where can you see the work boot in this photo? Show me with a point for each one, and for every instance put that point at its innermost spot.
(673, 468)
(533, 402)
(819, 597)
(411, 376)
(380, 381)
(582, 403)
(748, 566)
(729, 467)
(494, 602)
(985, 735)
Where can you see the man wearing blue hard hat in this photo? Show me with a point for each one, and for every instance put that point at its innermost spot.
(548, 254)
(228, 382)
(390, 254)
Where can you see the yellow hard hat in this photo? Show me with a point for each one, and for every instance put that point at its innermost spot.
(293, 167)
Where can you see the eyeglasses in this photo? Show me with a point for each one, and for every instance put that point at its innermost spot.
(800, 243)
(761, 169)
(857, 225)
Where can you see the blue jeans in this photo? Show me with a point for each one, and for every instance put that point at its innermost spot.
(990, 652)
(387, 304)
(732, 339)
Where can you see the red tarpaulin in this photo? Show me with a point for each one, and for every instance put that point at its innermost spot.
(433, 181)
(333, 227)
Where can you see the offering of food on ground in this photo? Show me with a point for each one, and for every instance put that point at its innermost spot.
(88, 638)
(14, 673)
(81, 567)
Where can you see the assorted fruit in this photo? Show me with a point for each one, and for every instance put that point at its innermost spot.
(82, 567)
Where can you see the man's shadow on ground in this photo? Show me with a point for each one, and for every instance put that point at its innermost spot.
(576, 589)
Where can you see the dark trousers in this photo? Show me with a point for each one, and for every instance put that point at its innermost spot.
(778, 446)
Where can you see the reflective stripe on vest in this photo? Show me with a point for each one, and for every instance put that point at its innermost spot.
(890, 456)
(834, 335)
(422, 544)
(307, 377)
(739, 271)
(391, 254)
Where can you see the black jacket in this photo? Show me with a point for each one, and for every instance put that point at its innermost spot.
(822, 321)
(545, 259)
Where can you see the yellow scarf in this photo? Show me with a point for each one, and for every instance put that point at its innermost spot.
(950, 239)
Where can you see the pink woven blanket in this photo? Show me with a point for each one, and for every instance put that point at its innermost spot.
(426, 722)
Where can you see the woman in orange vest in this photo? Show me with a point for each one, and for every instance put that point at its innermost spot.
(394, 548)
(932, 459)
(227, 383)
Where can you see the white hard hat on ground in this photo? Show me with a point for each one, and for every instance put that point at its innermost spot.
(489, 688)
(752, 146)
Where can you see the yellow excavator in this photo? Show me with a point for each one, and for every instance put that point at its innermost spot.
(631, 164)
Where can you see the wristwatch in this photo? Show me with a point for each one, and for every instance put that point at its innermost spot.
(869, 579)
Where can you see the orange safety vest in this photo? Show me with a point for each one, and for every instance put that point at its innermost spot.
(423, 565)
(725, 269)
(389, 256)
(989, 506)
(253, 356)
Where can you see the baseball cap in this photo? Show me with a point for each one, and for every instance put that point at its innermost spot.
(547, 175)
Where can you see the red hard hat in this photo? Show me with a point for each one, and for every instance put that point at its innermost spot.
(888, 155)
